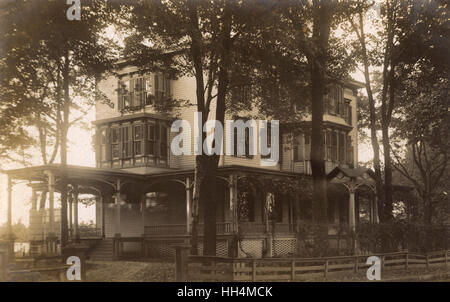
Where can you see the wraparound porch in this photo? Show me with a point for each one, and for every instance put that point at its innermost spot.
(254, 203)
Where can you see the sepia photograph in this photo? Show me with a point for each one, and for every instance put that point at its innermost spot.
(197, 142)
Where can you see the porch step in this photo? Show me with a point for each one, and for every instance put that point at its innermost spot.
(103, 251)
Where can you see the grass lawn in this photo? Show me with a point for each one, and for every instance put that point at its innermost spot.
(131, 271)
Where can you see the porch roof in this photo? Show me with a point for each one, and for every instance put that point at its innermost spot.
(82, 174)
(37, 173)
(351, 173)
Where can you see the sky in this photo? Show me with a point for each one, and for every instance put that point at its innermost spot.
(80, 153)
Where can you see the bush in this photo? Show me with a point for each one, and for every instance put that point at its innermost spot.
(401, 236)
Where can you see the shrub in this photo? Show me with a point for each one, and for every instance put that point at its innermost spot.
(400, 236)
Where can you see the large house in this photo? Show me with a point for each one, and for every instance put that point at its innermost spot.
(144, 192)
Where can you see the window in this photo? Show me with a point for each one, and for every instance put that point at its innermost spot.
(349, 150)
(135, 92)
(162, 87)
(149, 92)
(126, 142)
(151, 139)
(328, 145)
(334, 146)
(103, 144)
(163, 142)
(124, 93)
(342, 147)
(134, 139)
(240, 142)
(139, 92)
(333, 100)
(138, 136)
(348, 112)
(298, 147)
(269, 138)
(115, 143)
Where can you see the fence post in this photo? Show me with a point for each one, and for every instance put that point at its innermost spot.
(326, 268)
(446, 258)
(356, 264)
(427, 260)
(181, 262)
(406, 260)
(382, 261)
(253, 270)
(292, 270)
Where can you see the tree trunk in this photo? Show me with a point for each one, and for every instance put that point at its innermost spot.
(373, 124)
(63, 155)
(321, 33)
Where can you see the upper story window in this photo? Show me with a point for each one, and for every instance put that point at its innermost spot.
(239, 141)
(347, 112)
(337, 105)
(269, 138)
(333, 98)
(136, 92)
(337, 145)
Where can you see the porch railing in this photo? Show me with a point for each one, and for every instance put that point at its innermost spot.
(89, 232)
(258, 228)
(222, 228)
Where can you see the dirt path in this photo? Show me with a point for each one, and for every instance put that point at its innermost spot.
(129, 271)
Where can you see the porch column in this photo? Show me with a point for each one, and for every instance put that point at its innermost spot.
(70, 203)
(351, 209)
(233, 203)
(103, 217)
(76, 232)
(118, 201)
(188, 205)
(9, 221)
(33, 199)
(375, 217)
(51, 202)
(99, 213)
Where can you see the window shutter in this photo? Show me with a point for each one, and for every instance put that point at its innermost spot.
(350, 114)
(121, 135)
(130, 140)
(108, 143)
(98, 145)
(167, 86)
(328, 150)
(157, 140)
(120, 91)
(157, 83)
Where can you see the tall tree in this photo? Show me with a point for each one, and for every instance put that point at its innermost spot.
(196, 38)
(64, 59)
(357, 18)
(407, 32)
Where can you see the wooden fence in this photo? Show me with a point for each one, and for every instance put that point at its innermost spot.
(291, 269)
